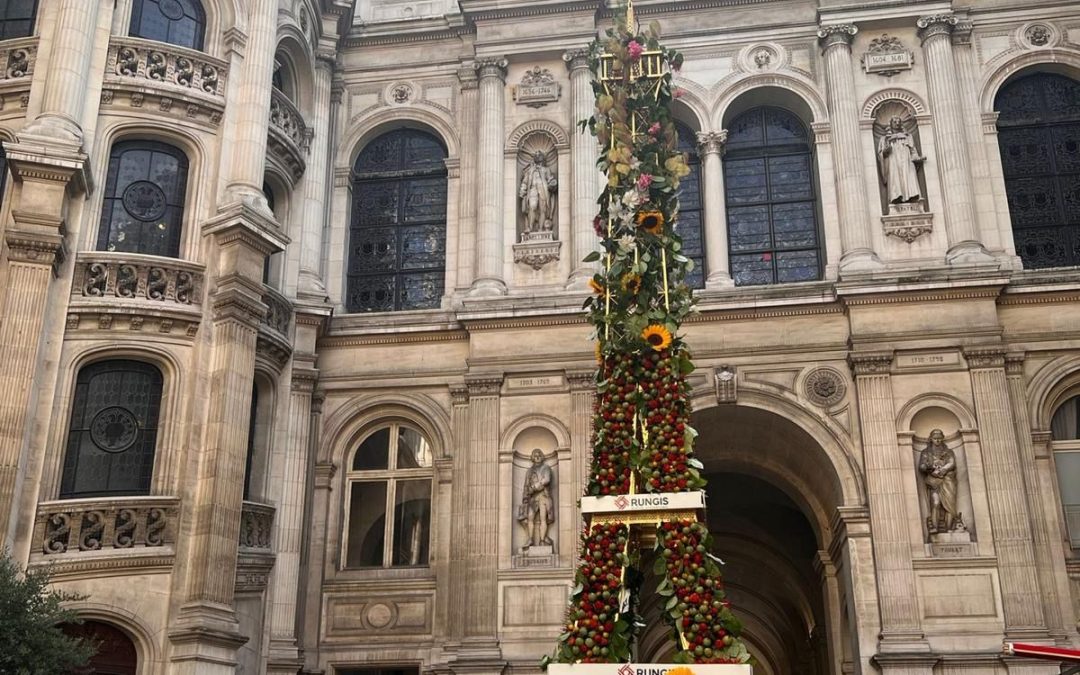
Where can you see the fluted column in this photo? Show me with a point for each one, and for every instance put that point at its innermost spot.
(490, 179)
(1009, 514)
(1048, 567)
(310, 282)
(950, 144)
(250, 109)
(858, 253)
(64, 92)
(468, 120)
(459, 514)
(711, 149)
(322, 474)
(584, 151)
(901, 629)
(582, 400)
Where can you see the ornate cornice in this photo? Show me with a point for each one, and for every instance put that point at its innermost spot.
(576, 59)
(483, 385)
(985, 357)
(491, 66)
(871, 363)
(34, 248)
(712, 142)
(934, 25)
(837, 34)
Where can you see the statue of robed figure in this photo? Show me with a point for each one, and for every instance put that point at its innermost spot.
(899, 160)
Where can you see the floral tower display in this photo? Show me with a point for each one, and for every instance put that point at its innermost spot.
(644, 498)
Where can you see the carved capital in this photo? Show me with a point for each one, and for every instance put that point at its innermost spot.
(467, 78)
(576, 59)
(985, 357)
(459, 395)
(324, 473)
(871, 363)
(484, 385)
(962, 32)
(936, 25)
(304, 379)
(841, 34)
(711, 142)
(492, 66)
(1014, 363)
(34, 248)
(581, 380)
(726, 383)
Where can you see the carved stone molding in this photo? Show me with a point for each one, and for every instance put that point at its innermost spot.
(726, 382)
(871, 363)
(256, 526)
(1014, 363)
(886, 56)
(985, 357)
(484, 385)
(537, 88)
(34, 248)
(903, 95)
(131, 276)
(908, 226)
(537, 253)
(576, 59)
(936, 25)
(712, 142)
(824, 387)
(459, 395)
(289, 137)
(837, 35)
(492, 66)
(79, 525)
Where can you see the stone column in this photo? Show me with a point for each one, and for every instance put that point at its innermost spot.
(322, 484)
(459, 514)
(479, 652)
(901, 629)
(853, 551)
(310, 284)
(290, 492)
(467, 122)
(250, 109)
(711, 149)
(584, 151)
(858, 254)
(949, 139)
(489, 179)
(1020, 597)
(582, 400)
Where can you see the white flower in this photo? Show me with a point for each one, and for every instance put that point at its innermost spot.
(626, 243)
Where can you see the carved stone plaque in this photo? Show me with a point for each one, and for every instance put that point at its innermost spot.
(887, 56)
(537, 88)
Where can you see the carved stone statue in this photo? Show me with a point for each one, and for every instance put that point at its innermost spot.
(899, 161)
(537, 195)
(937, 464)
(537, 509)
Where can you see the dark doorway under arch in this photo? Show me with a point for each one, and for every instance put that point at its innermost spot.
(116, 653)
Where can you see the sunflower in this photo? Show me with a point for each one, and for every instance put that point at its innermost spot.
(596, 286)
(658, 337)
(682, 670)
(651, 221)
(631, 283)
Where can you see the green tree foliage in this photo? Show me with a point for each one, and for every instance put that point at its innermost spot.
(31, 640)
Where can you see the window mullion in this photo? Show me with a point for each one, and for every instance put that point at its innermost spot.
(388, 532)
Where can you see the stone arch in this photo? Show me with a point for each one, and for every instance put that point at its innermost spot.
(367, 127)
(958, 408)
(691, 107)
(128, 623)
(552, 424)
(343, 428)
(546, 127)
(796, 92)
(875, 101)
(1049, 388)
(297, 51)
(1004, 68)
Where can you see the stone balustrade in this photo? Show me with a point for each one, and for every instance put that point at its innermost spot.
(256, 526)
(79, 525)
(289, 137)
(102, 274)
(17, 59)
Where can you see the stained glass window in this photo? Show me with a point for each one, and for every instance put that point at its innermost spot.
(17, 18)
(178, 22)
(397, 236)
(689, 223)
(771, 199)
(143, 209)
(1039, 137)
(112, 433)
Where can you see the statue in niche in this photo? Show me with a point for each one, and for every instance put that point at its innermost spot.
(899, 160)
(937, 464)
(537, 193)
(536, 512)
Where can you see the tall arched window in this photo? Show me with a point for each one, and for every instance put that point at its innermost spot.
(389, 493)
(397, 235)
(1065, 430)
(771, 199)
(143, 210)
(1039, 137)
(178, 22)
(690, 215)
(17, 18)
(112, 433)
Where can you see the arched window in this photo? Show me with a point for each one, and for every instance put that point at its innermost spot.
(771, 199)
(690, 215)
(390, 475)
(178, 22)
(116, 654)
(143, 210)
(1065, 430)
(397, 237)
(112, 433)
(17, 18)
(1039, 137)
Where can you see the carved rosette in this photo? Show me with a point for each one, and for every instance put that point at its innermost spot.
(824, 387)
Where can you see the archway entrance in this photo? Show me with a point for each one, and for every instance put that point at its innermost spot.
(116, 653)
(772, 492)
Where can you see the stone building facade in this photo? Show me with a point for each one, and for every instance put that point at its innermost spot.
(286, 313)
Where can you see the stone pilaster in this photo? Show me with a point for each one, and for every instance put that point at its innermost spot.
(901, 629)
(489, 179)
(310, 284)
(852, 549)
(322, 484)
(858, 254)
(711, 150)
(250, 108)
(949, 140)
(584, 152)
(479, 653)
(582, 400)
(1009, 515)
(467, 127)
(459, 516)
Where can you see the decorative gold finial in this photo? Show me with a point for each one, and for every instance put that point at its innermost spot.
(631, 22)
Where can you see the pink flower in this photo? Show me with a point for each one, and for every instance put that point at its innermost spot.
(644, 181)
(654, 129)
(596, 227)
(635, 49)
(678, 92)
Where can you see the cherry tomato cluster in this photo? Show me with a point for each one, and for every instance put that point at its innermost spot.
(704, 618)
(594, 632)
(613, 424)
(664, 462)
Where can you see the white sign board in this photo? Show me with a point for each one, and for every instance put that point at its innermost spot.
(649, 501)
(646, 669)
